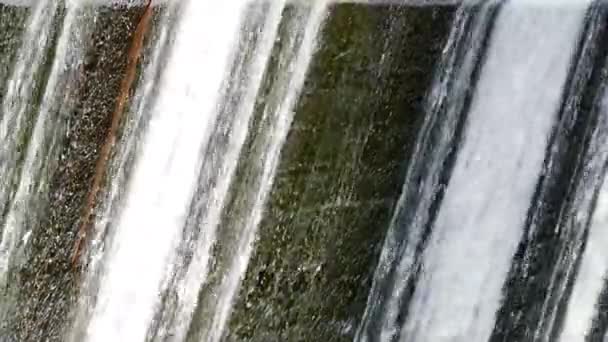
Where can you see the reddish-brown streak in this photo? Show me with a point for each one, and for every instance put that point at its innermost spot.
(104, 155)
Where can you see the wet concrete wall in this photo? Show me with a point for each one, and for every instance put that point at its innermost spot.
(340, 174)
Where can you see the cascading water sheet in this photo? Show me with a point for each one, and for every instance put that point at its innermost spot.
(220, 164)
(591, 277)
(19, 91)
(170, 264)
(590, 283)
(120, 169)
(175, 147)
(149, 226)
(277, 120)
(482, 216)
(398, 261)
(13, 119)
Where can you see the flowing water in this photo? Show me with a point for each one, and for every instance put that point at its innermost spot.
(481, 216)
(125, 309)
(446, 100)
(32, 123)
(180, 125)
(501, 201)
(275, 122)
(583, 319)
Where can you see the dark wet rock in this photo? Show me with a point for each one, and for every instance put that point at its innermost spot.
(47, 283)
(340, 174)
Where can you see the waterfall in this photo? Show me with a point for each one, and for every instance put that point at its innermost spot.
(277, 119)
(120, 171)
(439, 134)
(221, 160)
(261, 170)
(480, 219)
(18, 95)
(17, 101)
(178, 130)
(24, 196)
(199, 121)
(399, 249)
(583, 316)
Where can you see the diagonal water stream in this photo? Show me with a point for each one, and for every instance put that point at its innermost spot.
(276, 122)
(40, 157)
(165, 172)
(481, 218)
(120, 171)
(446, 101)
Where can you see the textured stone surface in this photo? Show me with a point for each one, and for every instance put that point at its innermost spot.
(340, 174)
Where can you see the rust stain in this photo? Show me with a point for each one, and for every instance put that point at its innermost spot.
(104, 156)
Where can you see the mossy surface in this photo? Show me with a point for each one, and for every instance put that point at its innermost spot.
(340, 174)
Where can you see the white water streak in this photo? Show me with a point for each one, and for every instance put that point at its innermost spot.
(111, 201)
(156, 207)
(19, 92)
(591, 276)
(482, 216)
(188, 288)
(272, 147)
(38, 164)
(593, 271)
(448, 91)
